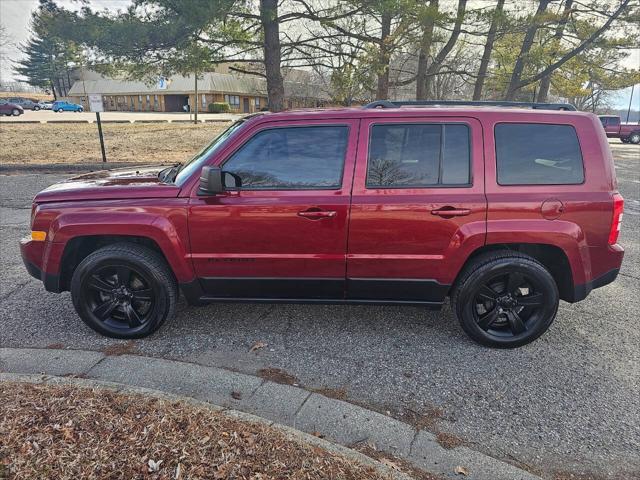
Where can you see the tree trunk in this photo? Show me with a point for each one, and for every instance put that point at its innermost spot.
(272, 53)
(488, 48)
(425, 49)
(53, 89)
(527, 43)
(382, 92)
(545, 83)
(433, 69)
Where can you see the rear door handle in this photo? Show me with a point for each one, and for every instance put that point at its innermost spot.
(451, 212)
(317, 214)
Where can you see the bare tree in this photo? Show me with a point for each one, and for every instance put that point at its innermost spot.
(488, 48)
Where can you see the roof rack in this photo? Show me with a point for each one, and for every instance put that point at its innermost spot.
(462, 103)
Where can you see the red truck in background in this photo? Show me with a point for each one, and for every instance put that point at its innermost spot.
(626, 132)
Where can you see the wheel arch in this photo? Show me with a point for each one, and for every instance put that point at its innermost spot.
(553, 257)
(78, 248)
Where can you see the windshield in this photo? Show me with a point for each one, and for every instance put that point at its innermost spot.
(199, 158)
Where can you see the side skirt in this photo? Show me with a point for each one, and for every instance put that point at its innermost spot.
(360, 291)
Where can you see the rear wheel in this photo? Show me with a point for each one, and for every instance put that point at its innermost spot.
(505, 299)
(635, 138)
(36, 108)
(124, 291)
(60, 110)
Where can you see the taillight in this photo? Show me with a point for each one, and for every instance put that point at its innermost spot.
(616, 222)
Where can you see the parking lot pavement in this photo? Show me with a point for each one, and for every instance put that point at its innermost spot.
(49, 116)
(566, 404)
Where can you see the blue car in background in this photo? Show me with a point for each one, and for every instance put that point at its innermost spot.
(62, 106)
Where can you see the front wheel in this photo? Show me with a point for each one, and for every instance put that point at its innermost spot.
(79, 110)
(35, 109)
(505, 299)
(124, 291)
(60, 110)
(15, 112)
(635, 138)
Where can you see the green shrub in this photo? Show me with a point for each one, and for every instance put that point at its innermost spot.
(219, 107)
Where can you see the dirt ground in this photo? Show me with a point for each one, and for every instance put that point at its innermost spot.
(49, 143)
(65, 432)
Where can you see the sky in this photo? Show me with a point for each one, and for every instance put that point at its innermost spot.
(15, 14)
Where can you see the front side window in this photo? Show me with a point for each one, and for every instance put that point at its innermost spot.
(538, 154)
(291, 158)
(418, 155)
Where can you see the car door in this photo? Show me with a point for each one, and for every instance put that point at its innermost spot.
(283, 233)
(418, 207)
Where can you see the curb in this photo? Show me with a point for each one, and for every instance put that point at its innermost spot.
(289, 432)
(338, 421)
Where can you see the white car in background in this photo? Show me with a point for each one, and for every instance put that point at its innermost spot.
(45, 105)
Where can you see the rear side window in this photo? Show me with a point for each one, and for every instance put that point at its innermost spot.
(418, 155)
(292, 158)
(538, 154)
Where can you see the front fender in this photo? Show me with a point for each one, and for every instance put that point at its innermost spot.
(169, 233)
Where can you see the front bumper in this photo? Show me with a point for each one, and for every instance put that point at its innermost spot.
(31, 252)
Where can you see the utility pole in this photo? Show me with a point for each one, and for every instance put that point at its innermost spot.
(630, 99)
(195, 103)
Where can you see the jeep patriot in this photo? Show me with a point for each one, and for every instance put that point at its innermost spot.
(505, 211)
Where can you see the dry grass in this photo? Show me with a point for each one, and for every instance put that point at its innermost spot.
(64, 432)
(34, 96)
(125, 142)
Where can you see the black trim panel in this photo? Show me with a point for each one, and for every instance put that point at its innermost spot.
(396, 289)
(51, 282)
(273, 288)
(580, 292)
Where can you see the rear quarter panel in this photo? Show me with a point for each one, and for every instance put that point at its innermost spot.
(582, 229)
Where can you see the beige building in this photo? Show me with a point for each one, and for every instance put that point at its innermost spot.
(243, 93)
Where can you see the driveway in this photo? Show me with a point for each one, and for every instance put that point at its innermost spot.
(566, 404)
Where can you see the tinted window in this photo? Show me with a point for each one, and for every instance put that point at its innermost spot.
(614, 121)
(418, 155)
(538, 154)
(299, 157)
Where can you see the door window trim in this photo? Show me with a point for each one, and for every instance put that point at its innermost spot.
(422, 187)
(337, 187)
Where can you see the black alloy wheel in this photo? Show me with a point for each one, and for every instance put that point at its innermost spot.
(505, 299)
(124, 290)
(508, 305)
(120, 297)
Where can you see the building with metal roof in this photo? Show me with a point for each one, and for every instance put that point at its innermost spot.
(243, 93)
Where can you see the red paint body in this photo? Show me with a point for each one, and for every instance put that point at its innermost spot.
(373, 234)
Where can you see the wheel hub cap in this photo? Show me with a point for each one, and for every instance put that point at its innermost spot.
(121, 294)
(507, 301)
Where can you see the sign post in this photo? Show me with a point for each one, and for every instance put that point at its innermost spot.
(95, 105)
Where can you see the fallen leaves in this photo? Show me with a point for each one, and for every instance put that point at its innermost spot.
(257, 346)
(460, 470)
(96, 434)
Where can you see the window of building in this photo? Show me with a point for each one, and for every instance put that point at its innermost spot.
(111, 101)
(233, 101)
(418, 155)
(538, 154)
(292, 158)
(256, 103)
(156, 105)
(204, 101)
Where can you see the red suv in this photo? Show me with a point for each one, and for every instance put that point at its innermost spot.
(504, 210)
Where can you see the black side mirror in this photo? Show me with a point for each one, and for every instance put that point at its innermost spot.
(211, 182)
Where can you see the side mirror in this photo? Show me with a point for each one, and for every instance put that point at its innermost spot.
(211, 182)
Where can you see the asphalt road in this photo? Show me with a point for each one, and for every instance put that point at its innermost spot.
(567, 404)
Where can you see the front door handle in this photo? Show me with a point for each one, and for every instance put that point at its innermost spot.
(451, 212)
(317, 214)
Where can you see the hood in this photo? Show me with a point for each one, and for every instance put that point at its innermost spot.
(141, 182)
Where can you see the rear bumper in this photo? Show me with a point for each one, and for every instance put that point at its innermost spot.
(28, 249)
(580, 292)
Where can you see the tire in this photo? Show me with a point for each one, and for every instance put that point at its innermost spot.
(80, 110)
(624, 140)
(35, 109)
(15, 112)
(60, 110)
(634, 138)
(505, 299)
(124, 291)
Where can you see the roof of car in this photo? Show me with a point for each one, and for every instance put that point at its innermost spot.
(422, 111)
